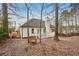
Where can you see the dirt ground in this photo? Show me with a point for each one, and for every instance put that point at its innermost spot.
(67, 46)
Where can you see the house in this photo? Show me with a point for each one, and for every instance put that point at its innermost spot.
(34, 28)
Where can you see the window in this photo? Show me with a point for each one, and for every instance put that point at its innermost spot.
(32, 31)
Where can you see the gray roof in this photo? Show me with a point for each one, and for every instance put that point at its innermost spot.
(35, 23)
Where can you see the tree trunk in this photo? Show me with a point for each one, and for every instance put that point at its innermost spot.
(60, 27)
(76, 24)
(5, 17)
(56, 22)
(72, 25)
(28, 24)
(68, 26)
(41, 20)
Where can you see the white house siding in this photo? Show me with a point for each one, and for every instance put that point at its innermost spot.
(23, 32)
(47, 24)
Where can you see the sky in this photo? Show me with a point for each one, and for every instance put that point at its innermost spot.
(35, 9)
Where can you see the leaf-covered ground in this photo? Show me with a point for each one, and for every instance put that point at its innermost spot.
(19, 47)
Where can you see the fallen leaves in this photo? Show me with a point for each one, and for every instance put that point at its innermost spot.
(66, 46)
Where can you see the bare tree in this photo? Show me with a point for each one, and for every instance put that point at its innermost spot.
(27, 20)
(56, 22)
(41, 19)
(5, 17)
